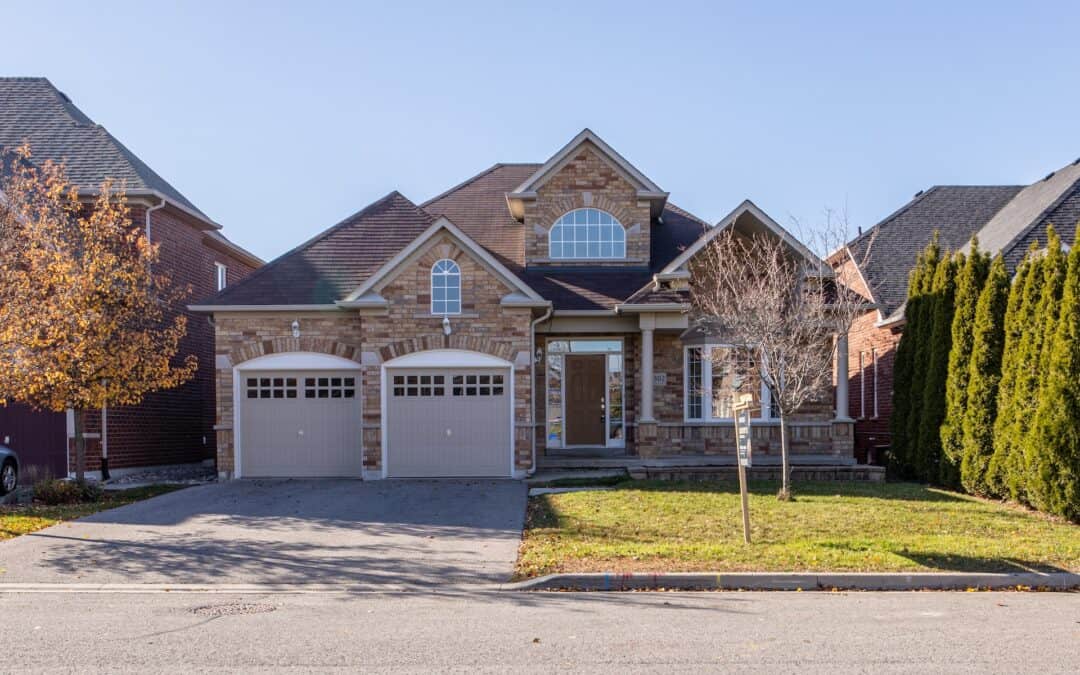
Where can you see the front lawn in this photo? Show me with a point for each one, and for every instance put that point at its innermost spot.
(659, 526)
(17, 520)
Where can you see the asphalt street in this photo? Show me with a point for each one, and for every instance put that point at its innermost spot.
(543, 632)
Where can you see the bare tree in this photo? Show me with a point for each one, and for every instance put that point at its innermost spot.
(782, 307)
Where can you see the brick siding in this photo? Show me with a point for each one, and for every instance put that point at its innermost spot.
(174, 426)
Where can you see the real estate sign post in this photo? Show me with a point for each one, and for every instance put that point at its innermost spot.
(742, 403)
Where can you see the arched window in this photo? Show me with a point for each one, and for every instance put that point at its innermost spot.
(585, 234)
(445, 288)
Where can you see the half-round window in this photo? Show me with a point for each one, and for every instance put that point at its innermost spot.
(587, 234)
(445, 288)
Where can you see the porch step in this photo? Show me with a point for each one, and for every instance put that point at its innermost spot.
(546, 476)
(799, 472)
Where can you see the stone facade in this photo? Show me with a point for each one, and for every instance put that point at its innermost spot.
(587, 181)
(408, 326)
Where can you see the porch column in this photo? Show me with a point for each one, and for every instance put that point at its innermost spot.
(842, 377)
(646, 371)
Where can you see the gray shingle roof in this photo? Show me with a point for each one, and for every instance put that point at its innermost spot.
(956, 212)
(1052, 200)
(34, 111)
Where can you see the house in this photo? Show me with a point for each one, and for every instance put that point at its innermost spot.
(533, 313)
(170, 427)
(1007, 219)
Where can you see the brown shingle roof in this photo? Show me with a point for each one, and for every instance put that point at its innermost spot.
(336, 262)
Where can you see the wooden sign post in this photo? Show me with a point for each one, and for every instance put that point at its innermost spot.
(743, 443)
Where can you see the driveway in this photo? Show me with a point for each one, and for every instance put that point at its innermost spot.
(385, 533)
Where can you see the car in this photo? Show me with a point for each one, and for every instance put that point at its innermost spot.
(9, 470)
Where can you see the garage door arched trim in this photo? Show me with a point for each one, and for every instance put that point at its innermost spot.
(292, 361)
(444, 359)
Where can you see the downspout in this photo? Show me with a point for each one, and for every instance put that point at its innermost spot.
(152, 208)
(532, 382)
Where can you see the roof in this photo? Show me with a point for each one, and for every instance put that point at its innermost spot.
(478, 207)
(956, 212)
(332, 265)
(33, 110)
(1024, 219)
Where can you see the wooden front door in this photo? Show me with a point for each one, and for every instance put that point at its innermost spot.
(586, 395)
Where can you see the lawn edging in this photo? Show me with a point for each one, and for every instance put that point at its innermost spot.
(800, 581)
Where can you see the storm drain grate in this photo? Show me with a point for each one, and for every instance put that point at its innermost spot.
(233, 609)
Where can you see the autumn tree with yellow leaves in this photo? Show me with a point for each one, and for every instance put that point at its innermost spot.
(86, 320)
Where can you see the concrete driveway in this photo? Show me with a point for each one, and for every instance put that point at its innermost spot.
(386, 533)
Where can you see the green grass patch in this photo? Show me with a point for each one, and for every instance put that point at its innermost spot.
(23, 519)
(660, 526)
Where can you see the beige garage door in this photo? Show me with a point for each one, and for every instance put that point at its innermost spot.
(448, 423)
(300, 424)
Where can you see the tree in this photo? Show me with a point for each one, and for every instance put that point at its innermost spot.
(1037, 314)
(969, 285)
(85, 321)
(1023, 297)
(984, 374)
(783, 309)
(1055, 267)
(1055, 475)
(909, 375)
(929, 461)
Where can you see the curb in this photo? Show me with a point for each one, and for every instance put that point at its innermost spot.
(800, 581)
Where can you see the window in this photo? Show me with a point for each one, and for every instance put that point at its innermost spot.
(445, 288)
(712, 374)
(271, 387)
(587, 234)
(329, 387)
(221, 274)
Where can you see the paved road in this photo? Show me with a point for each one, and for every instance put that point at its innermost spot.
(493, 632)
(379, 533)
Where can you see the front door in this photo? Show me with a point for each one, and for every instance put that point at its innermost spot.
(586, 392)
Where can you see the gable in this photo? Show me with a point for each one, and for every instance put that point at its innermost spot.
(446, 237)
(748, 220)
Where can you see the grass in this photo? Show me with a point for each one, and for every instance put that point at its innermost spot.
(643, 526)
(23, 519)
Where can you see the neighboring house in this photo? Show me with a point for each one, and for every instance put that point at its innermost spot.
(533, 313)
(170, 427)
(1006, 219)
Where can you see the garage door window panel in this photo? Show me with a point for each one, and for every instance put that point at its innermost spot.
(271, 387)
(329, 387)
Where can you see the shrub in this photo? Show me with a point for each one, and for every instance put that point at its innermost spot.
(53, 492)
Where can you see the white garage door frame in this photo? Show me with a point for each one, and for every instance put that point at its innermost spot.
(283, 361)
(445, 358)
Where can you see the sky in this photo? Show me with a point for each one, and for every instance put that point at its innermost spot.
(280, 119)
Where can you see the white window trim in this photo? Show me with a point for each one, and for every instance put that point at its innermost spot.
(706, 381)
(617, 223)
(221, 275)
(431, 286)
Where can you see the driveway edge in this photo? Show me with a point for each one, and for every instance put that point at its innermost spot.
(800, 581)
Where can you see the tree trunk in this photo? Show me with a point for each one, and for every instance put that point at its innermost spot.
(785, 479)
(80, 445)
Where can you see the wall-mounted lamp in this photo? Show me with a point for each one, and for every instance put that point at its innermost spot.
(295, 328)
(446, 325)
(538, 357)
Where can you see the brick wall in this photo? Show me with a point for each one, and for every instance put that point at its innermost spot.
(408, 326)
(174, 426)
(587, 181)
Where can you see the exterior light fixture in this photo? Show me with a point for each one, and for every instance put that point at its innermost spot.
(295, 328)
(539, 356)
(446, 325)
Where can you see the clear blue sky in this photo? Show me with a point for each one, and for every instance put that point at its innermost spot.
(279, 119)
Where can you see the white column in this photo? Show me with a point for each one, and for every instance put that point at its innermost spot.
(646, 374)
(842, 377)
